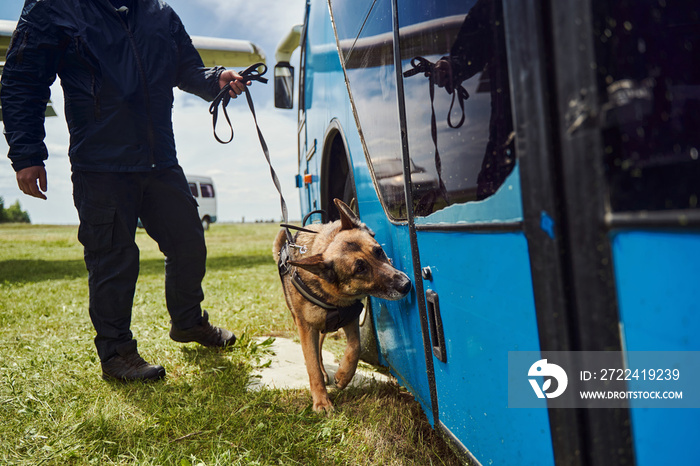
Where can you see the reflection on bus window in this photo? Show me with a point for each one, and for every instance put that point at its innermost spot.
(460, 154)
(649, 79)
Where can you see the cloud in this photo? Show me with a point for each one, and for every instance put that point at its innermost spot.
(272, 17)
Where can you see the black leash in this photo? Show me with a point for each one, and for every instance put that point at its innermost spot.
(294, 227)
(222, 99)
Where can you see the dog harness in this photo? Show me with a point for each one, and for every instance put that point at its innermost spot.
(336, 317)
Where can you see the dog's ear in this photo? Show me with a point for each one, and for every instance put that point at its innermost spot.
(348, 218)
(317, 266)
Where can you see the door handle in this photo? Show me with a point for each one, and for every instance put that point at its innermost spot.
(437, 334)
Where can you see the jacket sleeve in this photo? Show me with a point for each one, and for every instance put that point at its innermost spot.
(30, 69)
(192, 75)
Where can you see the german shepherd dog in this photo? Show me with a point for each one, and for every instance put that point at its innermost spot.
(325, 273)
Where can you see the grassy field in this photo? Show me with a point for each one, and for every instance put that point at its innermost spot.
(56, 410)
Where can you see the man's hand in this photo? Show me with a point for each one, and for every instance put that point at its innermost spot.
(27, 181)
(443, 75)
(236, 81)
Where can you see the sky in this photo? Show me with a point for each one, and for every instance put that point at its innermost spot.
(240, 172)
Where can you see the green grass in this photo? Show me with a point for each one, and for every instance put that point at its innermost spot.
(56, 410)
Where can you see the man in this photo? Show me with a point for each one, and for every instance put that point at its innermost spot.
(118, 61)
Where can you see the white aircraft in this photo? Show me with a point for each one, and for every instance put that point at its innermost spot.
(231, 53)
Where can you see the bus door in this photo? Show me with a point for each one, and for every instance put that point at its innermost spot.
(629, 115)
(606, 102)
(464, 200)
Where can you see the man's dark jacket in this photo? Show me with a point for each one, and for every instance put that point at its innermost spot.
(117, 71)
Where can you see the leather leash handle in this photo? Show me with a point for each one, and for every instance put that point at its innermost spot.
(223, 97)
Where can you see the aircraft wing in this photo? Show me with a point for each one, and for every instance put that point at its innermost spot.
(231, 53)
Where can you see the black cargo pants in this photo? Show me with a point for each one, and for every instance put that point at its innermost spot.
(109, 206)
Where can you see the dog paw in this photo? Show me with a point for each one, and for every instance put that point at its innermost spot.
(342, 379)
(321, 406)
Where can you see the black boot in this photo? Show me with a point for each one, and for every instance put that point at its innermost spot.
(128, 366)
(204, 334)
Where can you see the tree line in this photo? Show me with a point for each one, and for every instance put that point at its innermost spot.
(13, 214)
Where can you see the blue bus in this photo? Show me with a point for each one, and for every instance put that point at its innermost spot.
(533, 165)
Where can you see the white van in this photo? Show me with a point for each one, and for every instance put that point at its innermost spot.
(202, 188)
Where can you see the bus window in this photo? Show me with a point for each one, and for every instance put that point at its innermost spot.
(207, 190)
(647, 54)
(349, 18)
(193, 189)
(457, 155)
(369, 65)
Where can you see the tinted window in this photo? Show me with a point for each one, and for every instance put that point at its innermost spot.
(453, 54)
(350, 16)
(648, 54)
(207, 190)
(193, 189)
(452, 161)
(369, 65)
